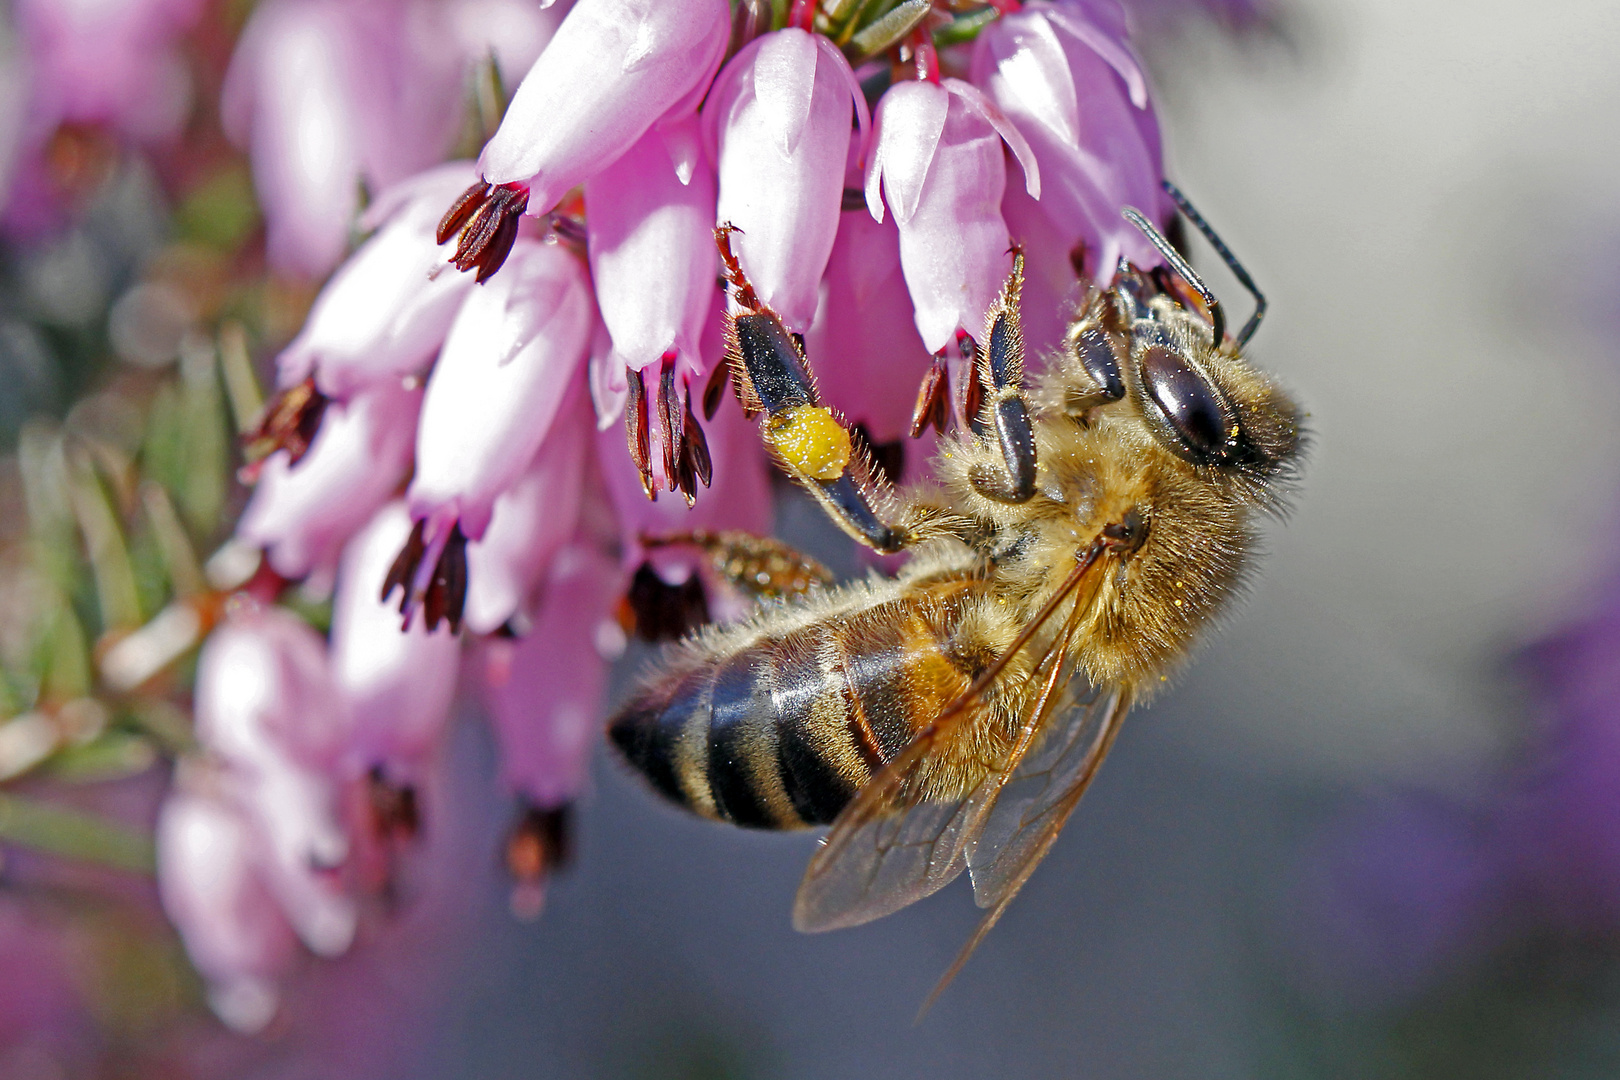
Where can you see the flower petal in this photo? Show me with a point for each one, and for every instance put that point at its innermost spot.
(510, 357)
(1015, 141)
(911, 118)
(784, 84)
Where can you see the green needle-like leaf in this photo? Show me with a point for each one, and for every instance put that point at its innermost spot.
(888, 31)
(74, 834)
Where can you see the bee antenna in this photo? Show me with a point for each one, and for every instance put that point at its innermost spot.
(1227, 257)
(1181, 266)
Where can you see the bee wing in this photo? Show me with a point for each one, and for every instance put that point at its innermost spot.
(1039, 795)
(1033, 804)
(893, 845)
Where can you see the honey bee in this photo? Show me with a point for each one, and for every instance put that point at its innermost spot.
(1074, 543)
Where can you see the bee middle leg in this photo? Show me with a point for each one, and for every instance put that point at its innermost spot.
(758, 567)
(811, 442)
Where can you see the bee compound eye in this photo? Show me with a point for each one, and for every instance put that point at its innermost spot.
(1096, 355)
(1196, 411)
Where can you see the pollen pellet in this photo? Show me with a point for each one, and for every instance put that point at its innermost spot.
(810, 440)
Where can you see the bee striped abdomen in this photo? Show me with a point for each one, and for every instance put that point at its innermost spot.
(781, 732)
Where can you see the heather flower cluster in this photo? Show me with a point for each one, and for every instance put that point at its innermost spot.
(501, 430)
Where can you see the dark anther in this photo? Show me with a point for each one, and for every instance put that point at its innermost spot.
(662, 612)
(403, 570)
(466, 204)
(289, 423)
(540, 843)
(671, 416)
(395, 814)
(695, 465)
(715, 390)
(1077, 259)
(446, 593)
(567, 228)
(889, 458)
(973, 388)
(635, 430)
(933, 400)
(500, 246)
(854, 199)
(488, 223)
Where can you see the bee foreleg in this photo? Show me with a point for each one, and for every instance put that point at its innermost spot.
(1005, 410)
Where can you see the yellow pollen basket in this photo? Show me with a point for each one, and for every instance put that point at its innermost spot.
(810, 440)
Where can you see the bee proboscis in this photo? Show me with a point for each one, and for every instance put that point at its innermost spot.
(1076, 539)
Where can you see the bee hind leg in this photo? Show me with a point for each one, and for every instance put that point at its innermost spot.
(812, 443)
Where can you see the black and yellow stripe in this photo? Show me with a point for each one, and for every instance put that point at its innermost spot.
(780, 732)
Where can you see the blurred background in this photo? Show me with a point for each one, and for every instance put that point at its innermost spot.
(1374, 831)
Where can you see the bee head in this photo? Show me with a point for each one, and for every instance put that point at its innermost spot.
(1148, 340)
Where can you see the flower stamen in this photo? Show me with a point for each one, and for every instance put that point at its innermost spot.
(289, 423)
(444, 596)
(933, 399)
(486, 216)
(696, 467)
(539, 844)
(636, 431)
(671, 415)
(654, 610)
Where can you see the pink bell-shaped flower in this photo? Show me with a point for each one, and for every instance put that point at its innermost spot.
(1066, 77)
(532, 519)
(292, 97)
(739, 495)
(611, 71)
(114, 64)
(544, 690)
(940, 167)
(302, 513)
(653, 259)
(1052, 286)
(864, 345)
(266, 707)
(398, 684)
(385, 313)
(329, 94)
(779, 120)
(210, 880)
(504, 373)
